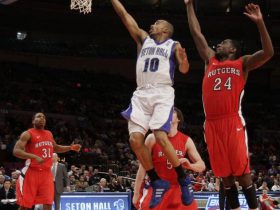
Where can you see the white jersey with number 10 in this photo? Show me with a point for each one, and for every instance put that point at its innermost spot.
(156, 63)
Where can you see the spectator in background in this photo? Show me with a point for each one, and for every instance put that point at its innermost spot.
(90, 171)
(82, 169)
(278, 176)
(103, 187)
(110, 175)
(6, 192)
(211, 185)
(259, 181)
(2, 179)
(276, 186)
(95, 178)
(273, 160)
(15, 174)
(113, 185)
(81, 184)
(72, 182)
(272, 171)
(72, 170)
(268, 180)
(120, 186)
(267, 202)
(199, 185)
(207, 176)
(76, 173)
(3, 172)
(13, 183)
(86, 175)
(254, 177)
(264, 186)
(131, 187)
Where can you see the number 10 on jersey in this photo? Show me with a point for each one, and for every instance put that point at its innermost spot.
(151, 65)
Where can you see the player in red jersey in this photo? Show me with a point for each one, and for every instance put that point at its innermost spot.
(183, 146)
(35, 184)
(226, 72)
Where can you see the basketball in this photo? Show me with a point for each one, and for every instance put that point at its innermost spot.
(6, 2)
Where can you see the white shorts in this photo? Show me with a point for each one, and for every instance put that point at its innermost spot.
(150, 108)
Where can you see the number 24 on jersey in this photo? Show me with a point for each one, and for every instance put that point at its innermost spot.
(219, 84)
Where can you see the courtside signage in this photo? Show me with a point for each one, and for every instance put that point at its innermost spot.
(95, 201)
(213, 203)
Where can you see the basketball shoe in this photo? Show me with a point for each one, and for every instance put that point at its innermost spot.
(159, 187)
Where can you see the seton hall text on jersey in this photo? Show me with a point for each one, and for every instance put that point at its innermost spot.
(43, 143)
(223, 71)
(178, 153)
(154, 51)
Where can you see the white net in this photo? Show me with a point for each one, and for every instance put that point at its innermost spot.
(84, 6)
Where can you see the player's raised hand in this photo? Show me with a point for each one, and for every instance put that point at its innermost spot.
(76, 147)
(253, 11)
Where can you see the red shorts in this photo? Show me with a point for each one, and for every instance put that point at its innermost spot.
(227, 145)
(36, 187)
(171, 200)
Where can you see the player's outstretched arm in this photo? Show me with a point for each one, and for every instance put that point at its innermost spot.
(182, 59)
(260, 57)
(61, 148)
(137, 33)
(204, 50)
(197, 164)
(19, 148)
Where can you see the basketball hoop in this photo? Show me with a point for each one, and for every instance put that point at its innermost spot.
(84, 6)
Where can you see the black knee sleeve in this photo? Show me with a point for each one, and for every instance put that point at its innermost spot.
(232, 197)
(250, 195)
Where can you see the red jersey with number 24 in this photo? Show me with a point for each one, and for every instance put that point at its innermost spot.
(223, 88)
(40, 144)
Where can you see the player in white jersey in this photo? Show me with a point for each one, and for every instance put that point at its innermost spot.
(156, 62)
(152, 102)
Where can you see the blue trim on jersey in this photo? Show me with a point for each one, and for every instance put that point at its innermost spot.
(172, 62)
(167, 125)
(145, 40)
(126, 114)
(142, 47)
(159, 43)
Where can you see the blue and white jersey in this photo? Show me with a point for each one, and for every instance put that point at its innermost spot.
(156, 63)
